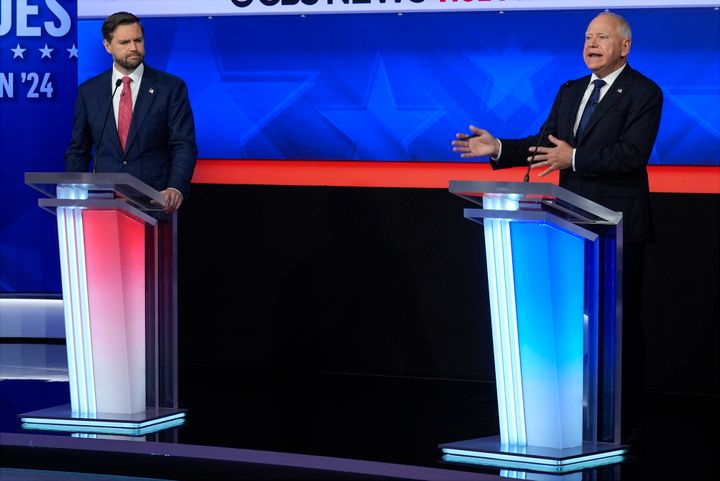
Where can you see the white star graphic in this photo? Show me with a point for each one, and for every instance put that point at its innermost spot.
(46, 51)
(72, 52)
(18, 51)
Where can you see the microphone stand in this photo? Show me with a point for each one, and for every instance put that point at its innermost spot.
(118, 82)
(542, 132)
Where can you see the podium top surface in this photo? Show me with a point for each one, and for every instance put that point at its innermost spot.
(534, 196)
(99, 185)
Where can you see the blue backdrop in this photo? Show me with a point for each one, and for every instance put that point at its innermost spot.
(342, 87)
(398, 87)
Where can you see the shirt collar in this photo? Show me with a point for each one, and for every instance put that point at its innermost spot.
(135, 75)
(609, 79)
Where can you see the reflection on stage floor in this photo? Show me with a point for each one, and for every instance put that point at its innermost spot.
(260, 424)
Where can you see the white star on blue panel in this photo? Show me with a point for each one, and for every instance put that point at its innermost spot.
(18, 51)
(72, 51)
(46, 52)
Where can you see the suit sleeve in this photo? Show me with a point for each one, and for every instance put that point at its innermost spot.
(515, 152)
(183, 149)
(79, 151)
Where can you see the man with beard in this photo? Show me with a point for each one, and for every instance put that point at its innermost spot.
(153, 137)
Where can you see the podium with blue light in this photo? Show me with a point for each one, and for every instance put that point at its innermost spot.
(118, 265)
(554, 262)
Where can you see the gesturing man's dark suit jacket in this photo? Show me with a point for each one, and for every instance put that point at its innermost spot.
(612, 156)
(160, 149)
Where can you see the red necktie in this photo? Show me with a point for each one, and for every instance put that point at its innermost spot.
(125, 112)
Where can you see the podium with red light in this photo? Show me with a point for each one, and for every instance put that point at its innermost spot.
(118, 265)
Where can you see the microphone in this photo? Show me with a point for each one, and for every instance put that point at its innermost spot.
(118, 83)
(542, 131)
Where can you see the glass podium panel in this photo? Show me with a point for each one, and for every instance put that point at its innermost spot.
(118, 264)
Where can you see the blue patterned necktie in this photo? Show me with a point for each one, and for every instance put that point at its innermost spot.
(589, 108)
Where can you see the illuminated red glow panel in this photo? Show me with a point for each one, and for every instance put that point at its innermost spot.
(115, 269)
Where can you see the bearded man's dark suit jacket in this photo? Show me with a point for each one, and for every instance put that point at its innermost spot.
(160, 149)
(611, 169)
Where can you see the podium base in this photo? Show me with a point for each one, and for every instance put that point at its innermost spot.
(489, 451)
(60, 418)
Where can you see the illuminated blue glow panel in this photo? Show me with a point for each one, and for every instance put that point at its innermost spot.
(389, 87)
(550, 293)
(540, 316)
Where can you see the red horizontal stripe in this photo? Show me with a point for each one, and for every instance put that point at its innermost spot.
(679, 179)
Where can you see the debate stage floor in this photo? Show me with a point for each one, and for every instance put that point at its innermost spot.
(249, 424)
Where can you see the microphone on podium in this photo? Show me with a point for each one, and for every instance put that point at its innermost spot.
(542, 131)
(118, 82)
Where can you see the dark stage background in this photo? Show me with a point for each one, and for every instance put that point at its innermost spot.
(392, 281)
